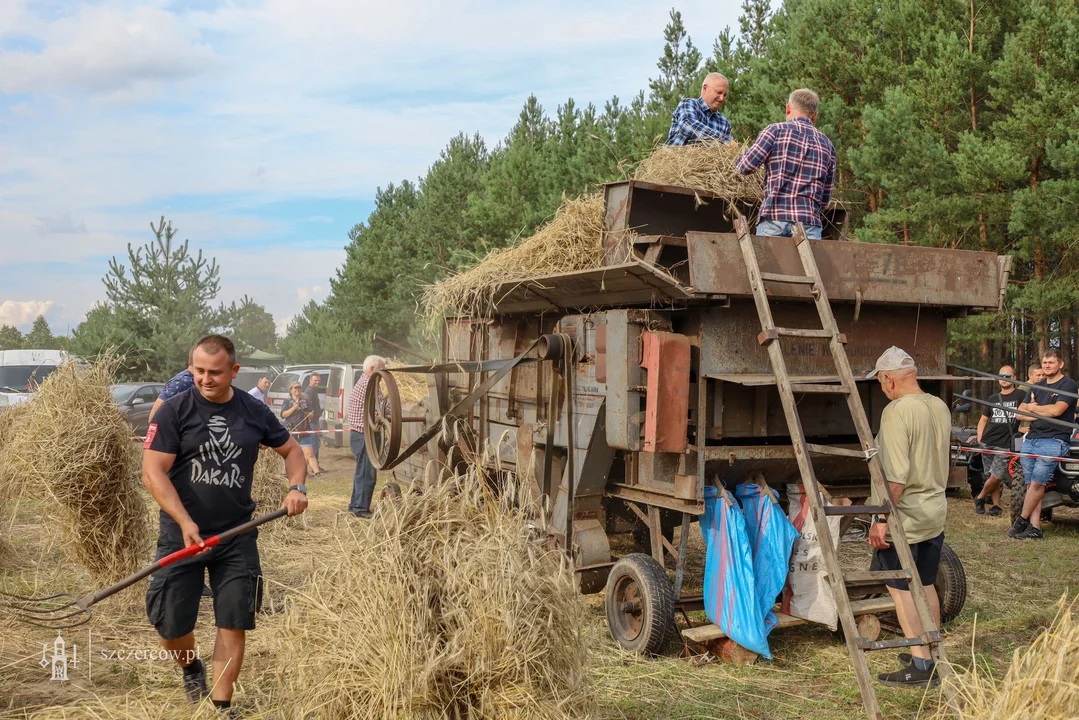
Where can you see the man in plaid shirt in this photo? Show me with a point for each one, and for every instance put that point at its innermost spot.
(799, 165)
(699, 119)
(363, 479)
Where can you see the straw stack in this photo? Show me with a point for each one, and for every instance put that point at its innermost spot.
(444, 605)
(72, 444)
(708, 167)
(1041, 684)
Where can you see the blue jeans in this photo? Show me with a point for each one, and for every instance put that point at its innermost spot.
(1037, 470)
(779, 228)
(318, 439)
(363, 480)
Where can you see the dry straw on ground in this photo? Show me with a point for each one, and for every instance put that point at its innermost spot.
(572, 239)
(72, 444)
(444, 605)
(1041, 684)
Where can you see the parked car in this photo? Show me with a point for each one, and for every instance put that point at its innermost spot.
(337, 382)
(135, 401)
(21, 371)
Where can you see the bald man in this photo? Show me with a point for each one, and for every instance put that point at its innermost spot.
(699, 119)
(996, 431)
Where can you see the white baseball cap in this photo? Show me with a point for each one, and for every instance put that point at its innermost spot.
(891, 360)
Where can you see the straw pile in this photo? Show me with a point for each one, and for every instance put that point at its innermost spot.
(441, 606)
(708, 167)
(570, 241)
(72, 444)
(10, 418)
(269, 485)
(1041, 684)
(411, 386)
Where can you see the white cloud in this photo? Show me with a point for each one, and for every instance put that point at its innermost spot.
(21, 313)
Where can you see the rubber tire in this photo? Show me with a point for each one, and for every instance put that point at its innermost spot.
(1016, 492)
(951, 584)
(657, 608)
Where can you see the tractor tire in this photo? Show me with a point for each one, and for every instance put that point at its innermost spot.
(951, 584)
(639, 602)
(1016, 491)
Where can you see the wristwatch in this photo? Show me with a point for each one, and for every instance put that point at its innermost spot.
(301, 487)
(880, 519)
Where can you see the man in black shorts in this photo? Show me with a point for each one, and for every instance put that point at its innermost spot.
(996, 431)
(199, 458)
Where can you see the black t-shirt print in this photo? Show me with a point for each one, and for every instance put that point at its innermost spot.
(1043, 394)
(216, 446)
(1000, 431)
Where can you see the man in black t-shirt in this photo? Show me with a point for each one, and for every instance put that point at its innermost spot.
(198, 463)
(996, 431)
(1046, 440)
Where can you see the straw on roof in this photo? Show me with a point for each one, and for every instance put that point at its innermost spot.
(72, 444)
(444, 605)
(1041, 684)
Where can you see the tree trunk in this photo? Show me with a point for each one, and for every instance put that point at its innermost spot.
(1041, 330)
(983, 231)
(1066, 342)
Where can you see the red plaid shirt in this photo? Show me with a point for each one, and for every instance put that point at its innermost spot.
(799, 170)
(355, 404)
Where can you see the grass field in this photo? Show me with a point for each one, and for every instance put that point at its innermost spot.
(1013, 588)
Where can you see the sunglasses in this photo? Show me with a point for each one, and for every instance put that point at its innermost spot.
(1007, 377)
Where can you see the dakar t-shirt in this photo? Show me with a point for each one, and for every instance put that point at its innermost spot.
(216, 446)
(1044, 394)
(1000, 430)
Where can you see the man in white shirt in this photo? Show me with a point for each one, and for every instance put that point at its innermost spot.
(259, 391)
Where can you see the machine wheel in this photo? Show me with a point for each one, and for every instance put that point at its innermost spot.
(1016, 491)
(951, 584)
(382, 420)
(640, 604)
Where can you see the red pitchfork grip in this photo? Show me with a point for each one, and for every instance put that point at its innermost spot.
(171, 558)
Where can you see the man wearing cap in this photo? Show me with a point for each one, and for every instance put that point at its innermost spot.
(915, 448)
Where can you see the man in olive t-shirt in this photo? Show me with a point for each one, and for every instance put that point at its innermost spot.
(915, 451)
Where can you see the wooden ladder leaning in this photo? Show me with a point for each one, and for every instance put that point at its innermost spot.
(769, 337)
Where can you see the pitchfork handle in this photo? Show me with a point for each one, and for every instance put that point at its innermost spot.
(189, 551)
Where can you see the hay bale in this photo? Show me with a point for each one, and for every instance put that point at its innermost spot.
(72, 444)
(441, 606)
(269, 485)
(1041, 684)
(411, 386)
(570, 241)
(708, 167)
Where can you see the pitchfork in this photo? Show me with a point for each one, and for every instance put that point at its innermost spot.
(64, 610)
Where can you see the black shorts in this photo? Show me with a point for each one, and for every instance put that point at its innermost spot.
(172, 600)
(926, 559)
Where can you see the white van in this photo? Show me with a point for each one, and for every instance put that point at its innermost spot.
(21, 371)
(337, 380)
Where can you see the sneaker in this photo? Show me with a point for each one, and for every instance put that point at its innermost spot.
(1020, 525)
(363, 514)
(910, 676)
(994, 511)
(1031, 533)
(979, 506)
(195, 684)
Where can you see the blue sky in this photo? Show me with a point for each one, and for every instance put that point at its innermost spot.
(262, 128)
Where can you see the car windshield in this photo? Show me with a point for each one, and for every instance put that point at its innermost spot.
(23, 378)
(122, 393)
(282, 381)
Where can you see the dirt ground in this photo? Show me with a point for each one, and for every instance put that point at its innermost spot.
(1013, 587)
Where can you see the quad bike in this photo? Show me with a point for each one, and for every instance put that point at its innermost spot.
(1062, 490)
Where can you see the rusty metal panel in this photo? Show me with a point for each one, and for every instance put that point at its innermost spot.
(623, 373)
(666, 358)
(857, 272)
(729, 338)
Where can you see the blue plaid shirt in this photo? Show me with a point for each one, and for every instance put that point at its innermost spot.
(179, 383)
(693, 121)
(799, 171)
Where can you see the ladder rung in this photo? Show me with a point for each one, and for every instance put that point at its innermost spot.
(841, 452)
(930, 638)
(792, 279)
(805, 333)
(872, 577)
(819, 388)
(856, 510)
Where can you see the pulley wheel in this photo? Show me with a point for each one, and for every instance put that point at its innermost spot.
(382, 419)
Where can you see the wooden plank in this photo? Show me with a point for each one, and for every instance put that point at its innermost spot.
(872, 606)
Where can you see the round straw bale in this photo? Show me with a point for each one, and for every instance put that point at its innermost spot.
(72, 444)
(441, 606)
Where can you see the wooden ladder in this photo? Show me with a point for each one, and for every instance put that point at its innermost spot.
(857, 646)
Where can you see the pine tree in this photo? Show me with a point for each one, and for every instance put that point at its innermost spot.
(10, 338)
(40, 335)
(678, 75)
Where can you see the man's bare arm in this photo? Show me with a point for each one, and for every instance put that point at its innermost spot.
(296, 469)
(155, 476)
(1055, 410)
(153, 411)
(981, 426)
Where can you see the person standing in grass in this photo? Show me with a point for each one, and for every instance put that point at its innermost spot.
(915, 452)
(1047, 440)
(298, 416)
(996, 431)
(198, 464)
(365, 476)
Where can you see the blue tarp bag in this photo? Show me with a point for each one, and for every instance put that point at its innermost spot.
(730, 597)
(771, 539)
